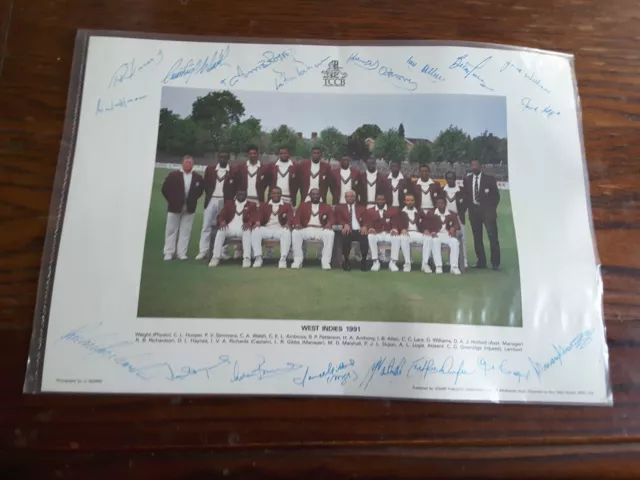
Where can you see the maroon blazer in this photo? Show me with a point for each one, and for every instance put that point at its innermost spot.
(435, 190)
(210, 181)
(229, 212)
(419, 219)
(271, 179)
(434, 224)
(173, 191)
(388, 222)
(336, 183)
(303, 174)
(241, 176)
(303, 215)
(405, 185)
(382, 186)
(488, 193)
(341, 214)
(263, 214)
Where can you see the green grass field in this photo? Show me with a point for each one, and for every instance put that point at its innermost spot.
(190, 289)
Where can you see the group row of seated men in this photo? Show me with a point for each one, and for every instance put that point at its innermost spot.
(235, 206)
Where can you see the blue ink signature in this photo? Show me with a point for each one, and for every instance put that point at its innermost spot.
(396, 79)
(268, 58)
(260, 372)
(127, 70)
(200, 66)
(579, 342)
(426, 366)
(471, 70)
(503, 369)
(411, 62)
(509, 64)
(301, 69)
(122, 102)
(547, 111)
(341, 372)
(383, 368)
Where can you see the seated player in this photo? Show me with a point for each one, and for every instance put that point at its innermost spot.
(352, 218)
(411, 223)
(235, 221)
(313, 221)
(443, 225)
(271, 222)
(382, 228)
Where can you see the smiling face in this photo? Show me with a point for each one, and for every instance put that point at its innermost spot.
(284, 154)
(316, 155)
(409, 201)
(380, 201)
(223, 159)
(424, 173)
(253, 155)
(345, 161)
(315, 195)
(350, 197)
(276, 194)
(187, 164)
(441, 204)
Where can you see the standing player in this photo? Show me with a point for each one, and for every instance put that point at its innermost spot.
(313, 221)
(397, 185)
(219, 187)
(249, 176)
(352, 218)
(411, 223)
(373, 183)
(382, 228)
(482, 196)
(426, 190)
(344, 179)
(282, 173)
(443, 224)
(456, 204)
(272, 222)
(235, 221)
(314, 173)
(181, 189)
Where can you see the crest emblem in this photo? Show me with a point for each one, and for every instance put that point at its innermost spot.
(334, 76)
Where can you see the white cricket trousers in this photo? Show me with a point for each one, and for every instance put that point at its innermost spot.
(236, 232)
(313, 233)
(209, 220)
(178, 230)
(384, 237)
(263, 233)
(444, 238)
(415, 238)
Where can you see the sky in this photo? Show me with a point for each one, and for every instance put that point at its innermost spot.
(423, 115)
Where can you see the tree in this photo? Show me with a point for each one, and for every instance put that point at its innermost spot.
(390, 146)
(238, 137)
(503, 158)
(332, 142)
(420, 153)
(367, 131)
(283, 137)
(215, 112)
(451, 145)
(401, 130)
(484, 148)
(302, 149)
(167, 131)
(357, 148)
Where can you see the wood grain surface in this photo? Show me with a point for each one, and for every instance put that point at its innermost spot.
(79, 437)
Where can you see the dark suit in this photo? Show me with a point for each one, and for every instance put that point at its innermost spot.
(343, 218)
(483, 212)
(173, 191)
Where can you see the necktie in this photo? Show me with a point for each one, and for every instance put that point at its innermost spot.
(475, 188)
(351, 213)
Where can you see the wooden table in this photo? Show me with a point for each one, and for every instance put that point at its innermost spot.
(186, 437)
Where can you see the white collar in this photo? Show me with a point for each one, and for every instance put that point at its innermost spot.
(345, 170)
(186, 172)
(288, 164)
(240, 204)
(372, 173)
(315, 164)
(384, 209)
(428, 182)
(257, 165)
(406, 210)
(218, 167)
(446, 212)
(399, 177)
(278, 204)
(450, 188)
(317, 205)
(474, 175)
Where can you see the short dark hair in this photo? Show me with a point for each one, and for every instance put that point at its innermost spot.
(395, 161)
(424, 165)
(252, 147)
(316, 147)
(440, 197)
(224, 150)
(283, 147)
(277, 188)
(450, 173)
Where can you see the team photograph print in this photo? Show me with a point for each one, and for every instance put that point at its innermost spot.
(273, 205)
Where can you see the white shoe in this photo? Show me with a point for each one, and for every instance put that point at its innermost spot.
(438, 269)
(282, 263)
(257, 263)
(376, 266)
(456, 271)
(393, 267)
(326, 266)
(201, 256)
(182, 258)
(214, 262)
(296, 264)
(426, 268)
(246, 262)
(168, 257)
(406, 267)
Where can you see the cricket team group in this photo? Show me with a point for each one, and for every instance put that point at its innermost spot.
(379, 211)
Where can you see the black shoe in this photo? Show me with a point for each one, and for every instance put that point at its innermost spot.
(364, 266)
(496, 267)
(347, 266)
(480, 265)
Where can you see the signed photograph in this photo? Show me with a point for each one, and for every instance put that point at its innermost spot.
(275, 205)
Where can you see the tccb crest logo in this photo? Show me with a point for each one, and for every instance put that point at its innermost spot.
(334, 76)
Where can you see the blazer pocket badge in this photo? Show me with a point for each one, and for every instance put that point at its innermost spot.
(486, 190)
(231, 180)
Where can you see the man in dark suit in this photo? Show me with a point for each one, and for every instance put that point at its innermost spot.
(352, 218)
(482, 196)
(181, 189)
(313, 173)
(313, 221)
(219, 187)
